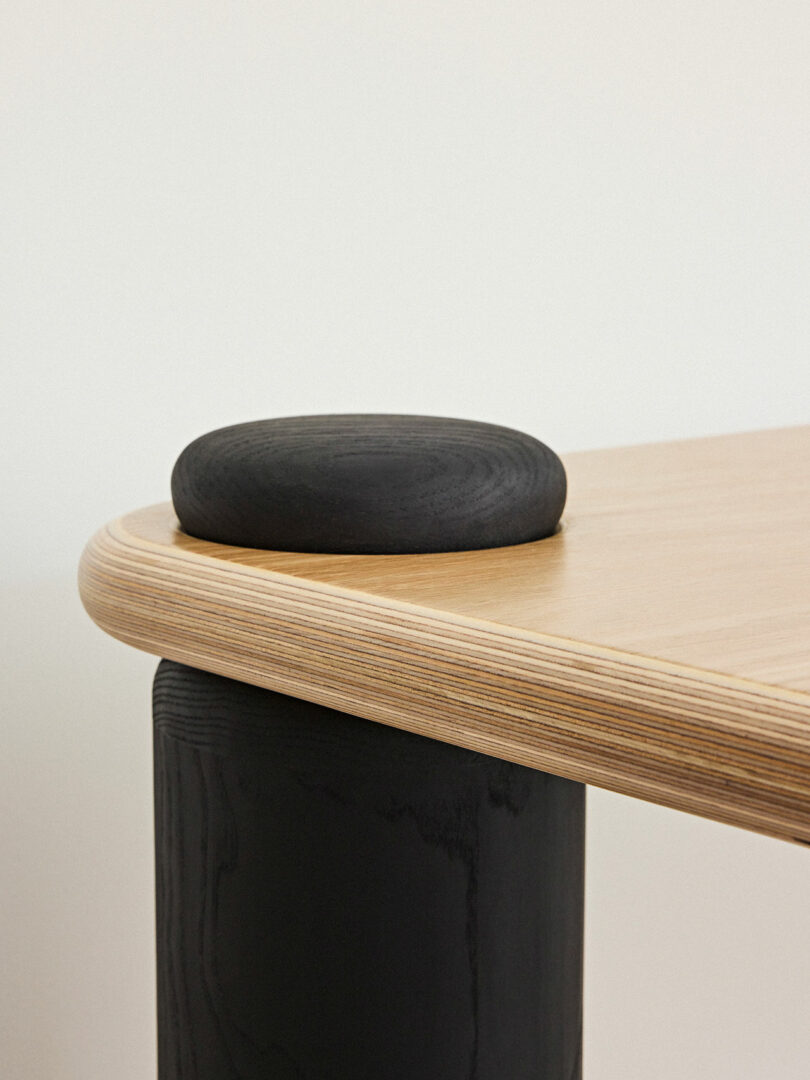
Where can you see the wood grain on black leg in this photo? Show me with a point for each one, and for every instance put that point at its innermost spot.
(340, 900)
(368, 484)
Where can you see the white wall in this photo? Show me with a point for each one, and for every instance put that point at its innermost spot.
(588, 220)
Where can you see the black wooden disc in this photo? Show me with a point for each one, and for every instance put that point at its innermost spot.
(368, 484)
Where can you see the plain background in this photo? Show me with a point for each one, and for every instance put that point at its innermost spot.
(588, 220)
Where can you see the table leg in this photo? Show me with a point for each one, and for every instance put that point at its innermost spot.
(341, 900)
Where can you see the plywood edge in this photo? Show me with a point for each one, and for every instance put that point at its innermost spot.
(701, 741)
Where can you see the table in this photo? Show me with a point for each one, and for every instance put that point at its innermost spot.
(370, 769)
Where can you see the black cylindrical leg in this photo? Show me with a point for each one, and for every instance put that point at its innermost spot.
(340, 900)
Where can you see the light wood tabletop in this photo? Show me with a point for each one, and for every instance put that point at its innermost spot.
(658, 644)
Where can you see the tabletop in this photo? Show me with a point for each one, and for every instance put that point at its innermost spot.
(657, 645)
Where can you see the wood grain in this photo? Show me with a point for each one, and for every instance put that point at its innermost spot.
(376, 484)
(657, 645)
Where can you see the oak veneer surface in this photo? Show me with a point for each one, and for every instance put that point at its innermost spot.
(658, 644)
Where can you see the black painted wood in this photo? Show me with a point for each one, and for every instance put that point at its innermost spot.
(372, 484)
(340, 900)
